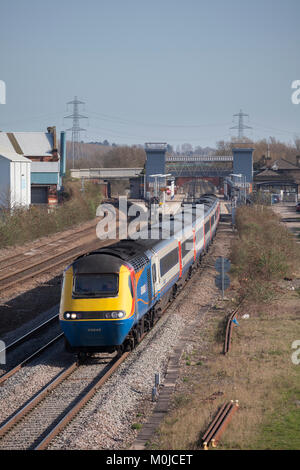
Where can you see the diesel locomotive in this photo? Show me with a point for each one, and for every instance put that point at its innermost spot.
(113, 295)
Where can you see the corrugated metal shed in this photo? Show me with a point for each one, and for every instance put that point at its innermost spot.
(14, 180)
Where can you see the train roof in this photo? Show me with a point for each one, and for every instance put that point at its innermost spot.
(137, 253)
(93, 263)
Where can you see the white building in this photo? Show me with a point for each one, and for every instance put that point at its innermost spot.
(29, 168)
(15, 183)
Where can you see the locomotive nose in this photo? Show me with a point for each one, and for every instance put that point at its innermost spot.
(97, 309)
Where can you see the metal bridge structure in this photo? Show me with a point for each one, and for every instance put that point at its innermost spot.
(105, 173)
(197, 166)
(187, 167)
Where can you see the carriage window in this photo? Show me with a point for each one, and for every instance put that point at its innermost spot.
(153, 273)
(168, 261)
(199, 235)
(95, 285)
(187, 246)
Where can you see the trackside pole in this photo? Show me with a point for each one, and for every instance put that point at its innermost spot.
(222, 278)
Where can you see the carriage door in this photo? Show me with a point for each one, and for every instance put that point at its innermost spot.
(154, 274)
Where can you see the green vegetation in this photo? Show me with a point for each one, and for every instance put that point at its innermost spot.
(263, 253)
(23, 225)
(136, 426)
(281, 431)
(258, 371)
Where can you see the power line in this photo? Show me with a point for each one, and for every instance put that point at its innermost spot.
(147, 137)
(281, 131)
(106, 117)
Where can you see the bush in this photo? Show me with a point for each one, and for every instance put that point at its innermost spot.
(23, 225)
(263, 253)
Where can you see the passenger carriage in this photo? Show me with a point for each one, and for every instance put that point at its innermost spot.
(111, 296)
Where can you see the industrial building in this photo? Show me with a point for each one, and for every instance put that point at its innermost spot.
(30, 167)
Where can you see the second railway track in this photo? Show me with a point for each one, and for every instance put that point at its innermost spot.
(37, 422)
(56, 260)
(43, 248)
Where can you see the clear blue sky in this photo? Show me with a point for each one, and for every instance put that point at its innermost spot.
(159, 70)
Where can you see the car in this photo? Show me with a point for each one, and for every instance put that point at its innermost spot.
(298, 207)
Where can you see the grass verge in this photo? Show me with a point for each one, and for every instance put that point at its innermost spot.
(258, 371)
(23, 225)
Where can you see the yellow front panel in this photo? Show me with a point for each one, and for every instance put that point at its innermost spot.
(123, 301)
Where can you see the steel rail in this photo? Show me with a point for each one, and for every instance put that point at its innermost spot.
(21, 256)
(228, 331)
(38, 263)
(16, 368)
(37, 399)
(64, 260)
(28, 335)
(75, 251)
(219, 424)
(80, 404)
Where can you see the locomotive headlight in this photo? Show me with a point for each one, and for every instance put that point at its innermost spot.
(106, 315)
(117, 314)
(114, 315)
(70, 315)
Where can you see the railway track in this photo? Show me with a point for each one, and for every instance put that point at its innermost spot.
(36, 423)
(24, 268)
(45, 415)
(39, 267)
(29, 271)
(29, 358)
(22, 360)
(39, 250)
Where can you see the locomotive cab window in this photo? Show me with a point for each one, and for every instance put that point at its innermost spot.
(95, 285)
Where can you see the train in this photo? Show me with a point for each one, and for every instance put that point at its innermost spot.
(113, 295)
